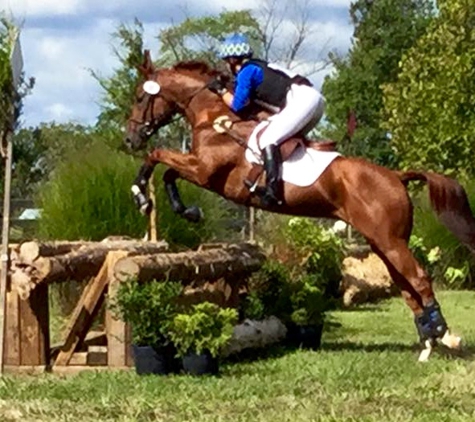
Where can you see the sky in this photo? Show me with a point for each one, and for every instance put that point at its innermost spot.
(62, 40)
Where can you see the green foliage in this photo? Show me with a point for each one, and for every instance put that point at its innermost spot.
(88, 197)
(119, 89)
(8, 33)
(308, 302)
(384, 30)
(205, 326)
(450, 263)
(322, 252)
(269, 292)
(148, 307)
(430, 107)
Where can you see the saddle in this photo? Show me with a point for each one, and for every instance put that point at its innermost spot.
(287, 148)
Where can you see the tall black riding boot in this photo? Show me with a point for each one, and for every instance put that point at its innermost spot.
(272, 162)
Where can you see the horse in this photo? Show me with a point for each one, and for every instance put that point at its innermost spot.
(373, 199)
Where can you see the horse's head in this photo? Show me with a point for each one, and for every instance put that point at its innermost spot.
(164, 93)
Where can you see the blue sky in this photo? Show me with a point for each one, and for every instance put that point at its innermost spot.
(63, 39)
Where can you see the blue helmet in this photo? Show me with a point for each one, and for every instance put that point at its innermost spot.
(235, 45)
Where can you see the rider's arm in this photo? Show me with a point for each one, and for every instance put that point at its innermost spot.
(247, 80)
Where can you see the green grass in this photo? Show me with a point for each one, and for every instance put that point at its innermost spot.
(366, 371)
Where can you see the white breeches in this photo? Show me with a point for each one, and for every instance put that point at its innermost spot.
(303, 110)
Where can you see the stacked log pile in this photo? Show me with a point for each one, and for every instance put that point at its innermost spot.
(33, 263)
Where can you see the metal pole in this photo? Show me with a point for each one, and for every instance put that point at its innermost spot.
(5, 242)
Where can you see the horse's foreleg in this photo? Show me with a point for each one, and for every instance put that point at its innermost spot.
(181, 165)
(193, 213)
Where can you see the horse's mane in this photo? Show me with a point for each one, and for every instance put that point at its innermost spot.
(196, 65)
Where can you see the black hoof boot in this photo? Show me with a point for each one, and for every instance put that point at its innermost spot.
(193, 214)
(431, 324)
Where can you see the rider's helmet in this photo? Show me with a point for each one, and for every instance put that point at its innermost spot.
(235, 45)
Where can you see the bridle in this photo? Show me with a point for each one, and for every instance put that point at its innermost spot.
(147, 127)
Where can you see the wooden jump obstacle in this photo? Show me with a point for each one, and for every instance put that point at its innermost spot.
(213, 272)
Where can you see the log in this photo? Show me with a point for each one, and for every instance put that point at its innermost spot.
(255, 334)
(30, 251)
(207, 265)
(86, 261)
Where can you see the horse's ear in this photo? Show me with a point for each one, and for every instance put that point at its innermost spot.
(147, 68)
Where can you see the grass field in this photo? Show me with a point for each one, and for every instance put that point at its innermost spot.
(366, 371)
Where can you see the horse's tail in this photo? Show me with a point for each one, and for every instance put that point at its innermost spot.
(449, 201)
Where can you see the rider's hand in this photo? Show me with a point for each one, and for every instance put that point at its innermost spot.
(217, 86)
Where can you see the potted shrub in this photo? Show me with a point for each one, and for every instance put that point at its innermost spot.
(307, 319)
(149, 308)
(199, 334)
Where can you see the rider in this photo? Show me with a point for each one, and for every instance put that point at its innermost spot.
(296, 105)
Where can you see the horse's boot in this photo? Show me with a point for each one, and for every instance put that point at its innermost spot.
(431, 324)
(272, 162)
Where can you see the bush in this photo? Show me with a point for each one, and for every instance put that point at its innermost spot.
(204, 327)
(321, 252)
(149, 308)
(450, 263)
(269, 292)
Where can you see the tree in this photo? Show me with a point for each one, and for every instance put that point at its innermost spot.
(383, 31)
(11, 103)
(431, 106)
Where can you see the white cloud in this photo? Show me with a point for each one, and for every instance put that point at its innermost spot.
(29, 8)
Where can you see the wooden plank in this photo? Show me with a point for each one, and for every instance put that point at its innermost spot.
(78, 359)
(95, 356)
(12, 333)
(83, 315)
(34, 329)
(116, 330)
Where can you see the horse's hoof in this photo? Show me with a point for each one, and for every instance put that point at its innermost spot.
(424, 356)
(451, 341)
(193, 214)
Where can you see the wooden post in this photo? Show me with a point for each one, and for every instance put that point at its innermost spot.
(153, 233)
(252, 224)
(5, 241)
(16, 65)
(117, 331)
(27, 341)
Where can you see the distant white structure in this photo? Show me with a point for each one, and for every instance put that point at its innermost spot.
(30, 214)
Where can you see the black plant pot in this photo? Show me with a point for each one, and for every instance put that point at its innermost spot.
(202, 364)
(305, 336)
(150, 360)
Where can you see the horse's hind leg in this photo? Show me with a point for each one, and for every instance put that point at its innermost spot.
(429, 320)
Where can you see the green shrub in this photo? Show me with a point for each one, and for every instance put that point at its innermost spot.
(308, 302)
(322, 253)
(269, 292)
(148, 307)
(203, 327)
(455, 265)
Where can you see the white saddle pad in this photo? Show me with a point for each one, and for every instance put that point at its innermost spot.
(302, 168)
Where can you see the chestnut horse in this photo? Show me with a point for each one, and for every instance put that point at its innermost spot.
(373, 199)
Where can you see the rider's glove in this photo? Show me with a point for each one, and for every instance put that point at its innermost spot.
(217, 86)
